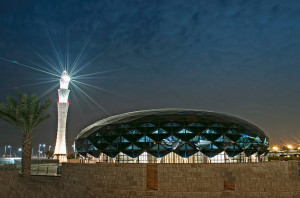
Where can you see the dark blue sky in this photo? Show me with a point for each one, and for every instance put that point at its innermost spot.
(236, 57)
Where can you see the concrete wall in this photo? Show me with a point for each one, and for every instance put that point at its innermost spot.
(267, 179)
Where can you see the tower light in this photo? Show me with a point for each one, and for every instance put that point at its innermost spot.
(60, 151)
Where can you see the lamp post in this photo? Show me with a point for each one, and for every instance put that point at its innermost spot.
(40, 150)
(49, 148)
(5, 151)
(20, 150)
(9, 150)
(44, 145)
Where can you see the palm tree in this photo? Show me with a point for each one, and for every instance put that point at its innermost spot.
(26, 113)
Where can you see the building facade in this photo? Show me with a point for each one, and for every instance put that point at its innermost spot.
(172, 136)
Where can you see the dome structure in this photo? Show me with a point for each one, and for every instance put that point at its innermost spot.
(160, 132)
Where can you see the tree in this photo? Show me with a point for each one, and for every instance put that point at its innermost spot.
(26, 113)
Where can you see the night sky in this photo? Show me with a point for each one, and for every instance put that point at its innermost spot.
(240, 58)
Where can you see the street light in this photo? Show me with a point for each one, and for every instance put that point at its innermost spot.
(290, 147)
(49, 148)
(20, 150)
(40, 150)
(44, 145)
(5, 151)
(275, 148)
(9, 150)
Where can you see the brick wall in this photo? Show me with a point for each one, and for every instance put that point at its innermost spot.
(267, 179)
(8, 180)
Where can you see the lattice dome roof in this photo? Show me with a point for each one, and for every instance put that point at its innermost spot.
(161, 131)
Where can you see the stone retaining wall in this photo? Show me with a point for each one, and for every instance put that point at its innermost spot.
(267, 179)
(8, 179)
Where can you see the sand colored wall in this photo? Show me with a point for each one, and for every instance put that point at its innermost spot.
(267, 179)
(8, 179)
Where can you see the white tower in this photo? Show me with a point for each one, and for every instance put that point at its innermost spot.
(60, 151)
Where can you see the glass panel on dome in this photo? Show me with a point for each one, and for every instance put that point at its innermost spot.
(257, 139)
(171, 142)
(243, 139)
(184, 131)
(209, 131)
(197, 138)
(147, 125)
(193, 125)
(256, 145)
(133, 132)
(110, 148)
(88, 141)
(159, 131)
(185, 147)
(221, 125)
(120, 139)
(233, 147)
(231, 131)
(216, 125)
(158, 147)
(202, 143)
(133, 147)
(125, 126)
(235, 126)
(92, 147)
(172, 125)
(196, 125)
(102, 140)
(172, 139)
(243, 142)
(213, 147)
(244, 145)
(223, 139)
(145, 139)
(250, 137)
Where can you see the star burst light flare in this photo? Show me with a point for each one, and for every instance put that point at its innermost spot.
(61, 67)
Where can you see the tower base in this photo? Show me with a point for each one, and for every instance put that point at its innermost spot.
(61, 157)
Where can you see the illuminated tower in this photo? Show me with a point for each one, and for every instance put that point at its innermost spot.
(60, 151)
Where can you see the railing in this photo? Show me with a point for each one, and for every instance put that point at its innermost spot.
(8, 160)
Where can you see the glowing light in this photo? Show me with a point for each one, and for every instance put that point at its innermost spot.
(60, 151)
(64, 80)
(289, 146)
(275, 148)
(298, 148)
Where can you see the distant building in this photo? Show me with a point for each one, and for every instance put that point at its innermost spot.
(172, 136)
